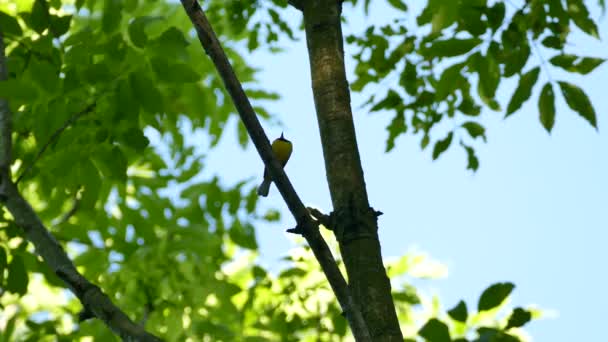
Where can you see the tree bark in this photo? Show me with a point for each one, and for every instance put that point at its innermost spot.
(355, 223)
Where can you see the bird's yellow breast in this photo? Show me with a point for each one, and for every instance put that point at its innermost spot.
(282, 150)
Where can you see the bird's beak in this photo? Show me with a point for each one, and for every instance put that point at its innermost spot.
(282, 136)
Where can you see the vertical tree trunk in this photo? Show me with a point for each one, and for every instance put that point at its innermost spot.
(356, 225)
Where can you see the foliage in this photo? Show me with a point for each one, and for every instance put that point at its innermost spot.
(467, 44)
(102, 95)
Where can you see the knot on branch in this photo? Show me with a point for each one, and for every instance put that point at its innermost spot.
(302, 227)
(353, 222)
(326, 220)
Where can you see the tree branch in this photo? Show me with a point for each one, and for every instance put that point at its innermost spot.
(298, 4)
(354, 221)
(55, 137)
(309, 229)
(91, 296)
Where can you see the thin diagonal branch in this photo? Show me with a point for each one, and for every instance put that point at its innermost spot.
(91, 296)
(307, 227)
(55, 137)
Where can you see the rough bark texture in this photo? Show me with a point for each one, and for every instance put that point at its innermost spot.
(305, 225)
(355, 222)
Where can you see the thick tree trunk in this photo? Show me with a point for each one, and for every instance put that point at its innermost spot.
(356, 226)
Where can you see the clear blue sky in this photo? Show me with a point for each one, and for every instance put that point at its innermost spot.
(535, 213)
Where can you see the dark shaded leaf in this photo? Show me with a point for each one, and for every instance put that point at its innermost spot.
(578, 101)
(496, 15)
(546, 106)
(398, 4)
(3, 263)
(523, 91)
(144, 90)
(518, 318)
(459, 312)
(137, 32)
(442, 145)
(9, 25)
(450, 47)
(435, 331)
(17, 279)
(112, 14)
(39, 19)
(60, 25)
(243, 235)
(395, 128)
(475, 129)
(494, 295)
(472, 160)
(582, 18)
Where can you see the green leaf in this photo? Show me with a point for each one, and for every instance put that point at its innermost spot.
(442, 145)
(435, 331)
(496, 15)
(398, 4)
(10, 25)
(494, 295)
(3, 263)
(39, 19)
(578, 101)
(449, 81)
(174, 72)
(171, 44)
(573, 63)
(588, 64)
(243, 235)
(18, 91)
(89, 177)
(137, 32)
(144, 90)
(494, 335)
(459, 312)
(581, 17)
(392, 100)
(518, 318)
(112, 163)
(564, 61)
(112, 14)
(523, 91)
(135, 138)
(17, 279)
(489, 74)
(445, 15)
(472, 160)
(516, 60)
(450, 47)
(242, 134)
(395, 128)
(60, 25)
(44, 74)
(474, 129)
(546, 106)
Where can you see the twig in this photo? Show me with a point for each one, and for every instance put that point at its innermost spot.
(309, 228)
(55, 137)
(92, 298)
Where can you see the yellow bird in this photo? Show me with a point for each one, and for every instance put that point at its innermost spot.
(282, 150)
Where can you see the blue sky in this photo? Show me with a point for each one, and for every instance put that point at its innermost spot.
(534, 214)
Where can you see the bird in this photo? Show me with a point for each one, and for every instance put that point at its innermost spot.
(282, 149)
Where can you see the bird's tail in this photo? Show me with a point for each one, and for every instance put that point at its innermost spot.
(264, 188)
